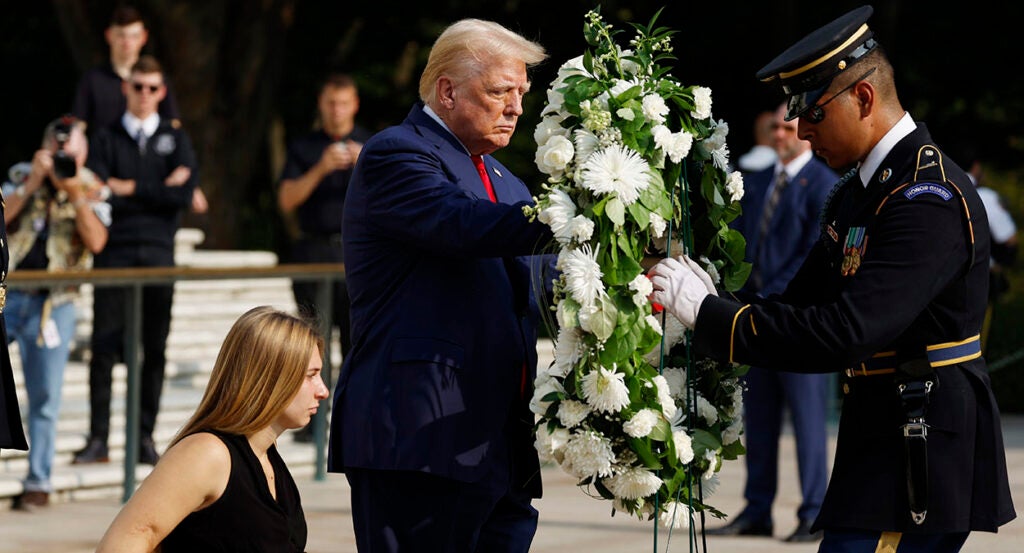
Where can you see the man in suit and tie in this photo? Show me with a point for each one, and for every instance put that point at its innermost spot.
(431, 422)
(780, 221)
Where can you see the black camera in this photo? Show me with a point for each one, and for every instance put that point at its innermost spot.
(64, 165)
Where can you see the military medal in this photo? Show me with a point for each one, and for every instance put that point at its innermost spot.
(853, 250)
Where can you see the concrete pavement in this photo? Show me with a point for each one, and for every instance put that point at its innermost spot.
(569, 520)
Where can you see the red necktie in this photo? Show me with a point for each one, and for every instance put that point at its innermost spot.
(478, 161)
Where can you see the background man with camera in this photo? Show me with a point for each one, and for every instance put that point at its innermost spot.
(312, 191)
(151, 170)
(56, 219)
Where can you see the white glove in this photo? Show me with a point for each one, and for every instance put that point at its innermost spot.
(681, 285)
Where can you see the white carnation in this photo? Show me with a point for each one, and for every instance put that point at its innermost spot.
(676, 381)
(734, 186)
(642, 288)
(549, 444)
(702, 103)
(684, 446)
(581, 228)
(706, 410)
(668, 406)
(658, 225)
(654, 108)
(542, 386)
(641, 424)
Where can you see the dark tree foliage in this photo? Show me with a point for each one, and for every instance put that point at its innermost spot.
(246, 72)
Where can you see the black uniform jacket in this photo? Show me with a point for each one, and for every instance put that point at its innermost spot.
(12, 435)
(914, 246)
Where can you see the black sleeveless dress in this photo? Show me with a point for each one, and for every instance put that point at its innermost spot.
(246, 518)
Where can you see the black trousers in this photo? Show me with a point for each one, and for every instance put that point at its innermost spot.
(108, 337)
(417, 512)
(326, 249)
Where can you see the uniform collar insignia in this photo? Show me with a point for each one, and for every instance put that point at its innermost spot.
(886, 173)
(496, 171)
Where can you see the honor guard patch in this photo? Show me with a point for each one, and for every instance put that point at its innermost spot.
(928, 188)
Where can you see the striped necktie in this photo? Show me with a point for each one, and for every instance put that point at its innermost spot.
(767, 213)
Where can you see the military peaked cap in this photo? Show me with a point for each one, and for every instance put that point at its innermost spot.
(806, 68)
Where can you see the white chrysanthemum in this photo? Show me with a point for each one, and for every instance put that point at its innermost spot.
(652, 322)
(587, 454)
(549, 444)
(641, 424)
(547, 128)
(582, 275)
(706, 410)
(702, 103)
(658, 225)
(625, 113)
(642, 288)
(675, 331)
(668, 405)
(617, 169)
(684, 446)
(633, 483)
(581, 228)
(732, 432)
(605, 390)
(676, 379)
(568, 350)
(553, 156)
(572, 412)
(734, 186)
(558, 214)
(676, 515)
(735, 410)
(654, 108)
(711, 269)
(542, 386)
(586, 144)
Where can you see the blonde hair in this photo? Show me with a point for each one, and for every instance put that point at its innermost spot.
(258, 371)
(463, 49)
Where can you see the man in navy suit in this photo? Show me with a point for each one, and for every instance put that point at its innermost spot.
(431, 423)
(781, 209)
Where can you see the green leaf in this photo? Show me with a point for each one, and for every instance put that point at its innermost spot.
(643, 451)
(733, 450)
(662, 432)
(616, 212)
(704, 441)
(602, 323)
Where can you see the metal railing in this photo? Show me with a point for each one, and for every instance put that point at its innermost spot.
(135, 278)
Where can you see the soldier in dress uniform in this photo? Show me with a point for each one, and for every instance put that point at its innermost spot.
(12, 434)
(892, 296)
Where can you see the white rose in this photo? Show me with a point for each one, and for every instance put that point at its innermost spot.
(548, 127)
(554, 155)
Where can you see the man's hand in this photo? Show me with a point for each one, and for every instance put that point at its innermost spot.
(199, 203)
(121, 187)
(178, 176)
(337, 156)
(681, 285)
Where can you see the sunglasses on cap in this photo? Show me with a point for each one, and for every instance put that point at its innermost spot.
(153, 88)
(816, 114)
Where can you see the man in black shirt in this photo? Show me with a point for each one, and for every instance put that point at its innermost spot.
(151, 170)
(313, 185)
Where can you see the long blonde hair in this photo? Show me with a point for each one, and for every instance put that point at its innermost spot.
(258, 371)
